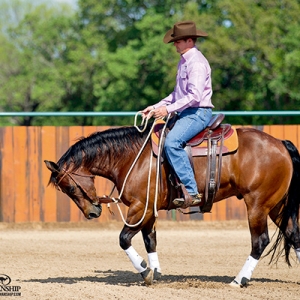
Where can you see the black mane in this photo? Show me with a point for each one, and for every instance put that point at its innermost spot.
(113, 142)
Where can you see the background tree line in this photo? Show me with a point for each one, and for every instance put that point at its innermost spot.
(108, 55)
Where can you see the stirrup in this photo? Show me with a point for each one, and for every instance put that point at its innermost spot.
(191, 201)
(178, 202)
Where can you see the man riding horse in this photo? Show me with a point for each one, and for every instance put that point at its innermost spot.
(191, 100)
(263, 171)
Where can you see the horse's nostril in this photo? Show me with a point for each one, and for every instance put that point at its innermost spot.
(95, 212)
(93, 216)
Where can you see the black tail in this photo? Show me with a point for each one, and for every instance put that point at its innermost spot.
(290, 211)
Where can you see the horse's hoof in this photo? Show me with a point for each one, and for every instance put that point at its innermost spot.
(147, 276)
(235, 284)
(156, 275)
(244, 283)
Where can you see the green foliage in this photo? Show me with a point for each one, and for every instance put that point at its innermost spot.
(109, 56)
(34, 49)
(250, 48)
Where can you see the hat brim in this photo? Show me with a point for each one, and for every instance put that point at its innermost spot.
(168, 38)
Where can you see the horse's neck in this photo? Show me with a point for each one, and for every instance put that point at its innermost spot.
(114, 166)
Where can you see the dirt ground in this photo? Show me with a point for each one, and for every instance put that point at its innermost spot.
(84, 261)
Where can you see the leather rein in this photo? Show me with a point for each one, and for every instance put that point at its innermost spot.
(70, 174)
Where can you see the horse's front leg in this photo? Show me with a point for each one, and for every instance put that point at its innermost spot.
(149, 236)
(138, 262)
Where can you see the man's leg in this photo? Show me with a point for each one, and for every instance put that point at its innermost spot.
(191, 121)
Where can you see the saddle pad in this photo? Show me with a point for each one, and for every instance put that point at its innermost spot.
(230, 143)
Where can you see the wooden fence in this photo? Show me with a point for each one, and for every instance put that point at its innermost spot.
(25, 197)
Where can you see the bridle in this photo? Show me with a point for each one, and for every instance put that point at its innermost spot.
(70, 174)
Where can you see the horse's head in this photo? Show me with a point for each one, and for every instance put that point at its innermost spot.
(79, 186)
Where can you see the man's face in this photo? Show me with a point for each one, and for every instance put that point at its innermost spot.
(182, 46)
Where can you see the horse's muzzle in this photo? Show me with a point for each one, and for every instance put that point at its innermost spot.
(95, 212)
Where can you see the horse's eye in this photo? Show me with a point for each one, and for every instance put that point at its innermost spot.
(72, 189)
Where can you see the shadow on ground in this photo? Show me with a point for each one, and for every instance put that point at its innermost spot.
(127, 278)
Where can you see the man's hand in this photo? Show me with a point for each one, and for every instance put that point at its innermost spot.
(157, 113)
(145, 112)
(160, 112)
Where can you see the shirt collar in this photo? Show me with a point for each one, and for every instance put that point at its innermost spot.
(187, 55)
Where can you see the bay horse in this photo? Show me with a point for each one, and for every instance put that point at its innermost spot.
(264, 171)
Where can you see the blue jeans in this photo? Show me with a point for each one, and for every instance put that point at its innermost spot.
(191, 121)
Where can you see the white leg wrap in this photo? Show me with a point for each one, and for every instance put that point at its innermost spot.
(154, 262)
(247, 269)
(298, 253)
(136, 260)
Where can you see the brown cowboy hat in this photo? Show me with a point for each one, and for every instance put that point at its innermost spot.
(182, 30)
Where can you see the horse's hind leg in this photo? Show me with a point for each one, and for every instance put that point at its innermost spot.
(149, 236)
(297, 248)
(259, 240)
(291, 231)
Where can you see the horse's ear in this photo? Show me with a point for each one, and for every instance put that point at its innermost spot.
(53, 167)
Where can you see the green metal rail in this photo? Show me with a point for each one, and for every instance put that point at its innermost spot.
(133, 113)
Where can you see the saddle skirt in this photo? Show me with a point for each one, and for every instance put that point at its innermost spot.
(199, 143)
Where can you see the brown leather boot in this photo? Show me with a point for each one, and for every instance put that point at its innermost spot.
(193, 200)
